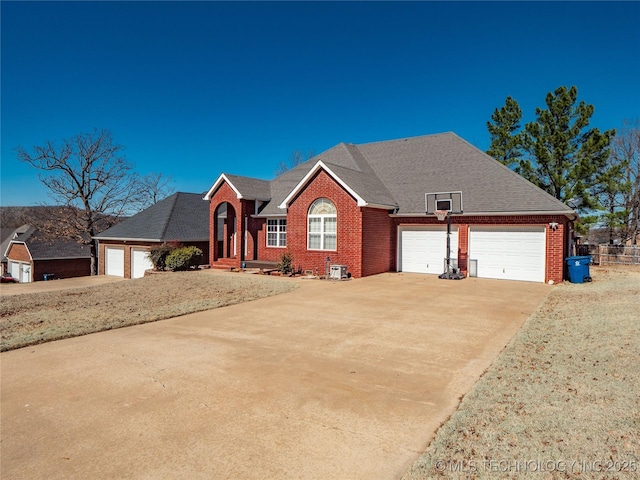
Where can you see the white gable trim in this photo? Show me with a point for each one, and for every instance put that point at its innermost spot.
(218, 182)
(318, 166)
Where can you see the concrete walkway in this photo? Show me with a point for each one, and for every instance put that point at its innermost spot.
(344, 380)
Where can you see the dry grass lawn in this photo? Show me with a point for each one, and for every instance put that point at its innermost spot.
(563, 398)
(36, 318)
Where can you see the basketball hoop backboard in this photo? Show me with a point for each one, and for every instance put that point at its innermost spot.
(449, 201)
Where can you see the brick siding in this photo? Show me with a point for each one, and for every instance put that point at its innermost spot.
(366, 237)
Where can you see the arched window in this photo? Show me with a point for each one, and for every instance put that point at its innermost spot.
(322, 225)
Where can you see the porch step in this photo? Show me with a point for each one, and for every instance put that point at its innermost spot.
(225, 263)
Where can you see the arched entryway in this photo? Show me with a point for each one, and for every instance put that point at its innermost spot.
(225, 231)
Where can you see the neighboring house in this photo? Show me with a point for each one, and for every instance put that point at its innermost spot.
(33, 254)
(123, 250)
(8, 234)
(363, 206)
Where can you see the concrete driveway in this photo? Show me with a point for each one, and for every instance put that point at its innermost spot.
(345, 380)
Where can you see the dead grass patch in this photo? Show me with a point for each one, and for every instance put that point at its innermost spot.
(563, 398)
(42, 317)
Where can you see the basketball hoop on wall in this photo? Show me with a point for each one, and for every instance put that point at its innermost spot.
(441, 214)
(444, 205)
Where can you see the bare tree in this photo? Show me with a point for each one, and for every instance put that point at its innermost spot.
(90, 179)
(626, 150)
(154, 187)
(296, 158)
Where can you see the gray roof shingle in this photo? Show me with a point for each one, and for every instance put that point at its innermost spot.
(45, 247)
(252, 188)
(398, 173)
(444, 162)
(179, 217)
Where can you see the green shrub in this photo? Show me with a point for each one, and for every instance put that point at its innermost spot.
(158, 255)
(285, 265)
(184, 258)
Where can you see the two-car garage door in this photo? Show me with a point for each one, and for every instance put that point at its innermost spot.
(502, 252)
(516, 253)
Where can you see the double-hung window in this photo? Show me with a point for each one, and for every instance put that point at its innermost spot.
(322, 228)
(277, 232)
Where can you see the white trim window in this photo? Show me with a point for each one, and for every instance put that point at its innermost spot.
(277, 232)
(322, 225)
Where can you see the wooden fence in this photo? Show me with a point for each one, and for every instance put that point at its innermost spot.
(611, 254)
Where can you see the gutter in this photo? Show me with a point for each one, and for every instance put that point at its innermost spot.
(129, 239)
(571, 215)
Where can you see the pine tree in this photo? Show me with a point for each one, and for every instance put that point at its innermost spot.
(565, 158)
(506, 142)
(610, 193)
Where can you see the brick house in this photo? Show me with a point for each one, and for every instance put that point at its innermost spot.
(32, 254)
(363, 206)
(123, 249)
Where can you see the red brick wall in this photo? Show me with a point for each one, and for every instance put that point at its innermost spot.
(225, 193)
(19, 253)
(349, 225)
(69, 268)
(379, 241)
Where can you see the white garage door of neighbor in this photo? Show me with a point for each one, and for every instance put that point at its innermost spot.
(424, 249)
(114, 264)
(140, 262)
(14, 269)
(516, 253)
(21, 271)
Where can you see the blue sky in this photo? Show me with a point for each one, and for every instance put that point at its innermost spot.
(193, 89)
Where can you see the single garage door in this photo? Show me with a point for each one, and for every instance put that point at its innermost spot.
(423, 249)
(516, 253)
(140, 262)
(114, 261)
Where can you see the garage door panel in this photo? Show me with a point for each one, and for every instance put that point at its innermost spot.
(140, 262)
(114, 261)
(509, 253)
(424, 249)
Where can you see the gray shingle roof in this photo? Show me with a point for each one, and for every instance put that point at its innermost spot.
(252, 188)
(46, 247)
(398, 173)
(444, 162)
(180, 217)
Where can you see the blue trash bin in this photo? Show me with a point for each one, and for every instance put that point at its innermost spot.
(578, 269)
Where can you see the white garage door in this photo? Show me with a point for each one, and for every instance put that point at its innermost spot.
(21, 271)
(114, 261)
(139, 263)
(14, 269)
(423, 249)
(516, 253)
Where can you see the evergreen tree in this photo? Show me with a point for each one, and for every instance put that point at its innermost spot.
(565, 158)
(506, 141)
(610, 193)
